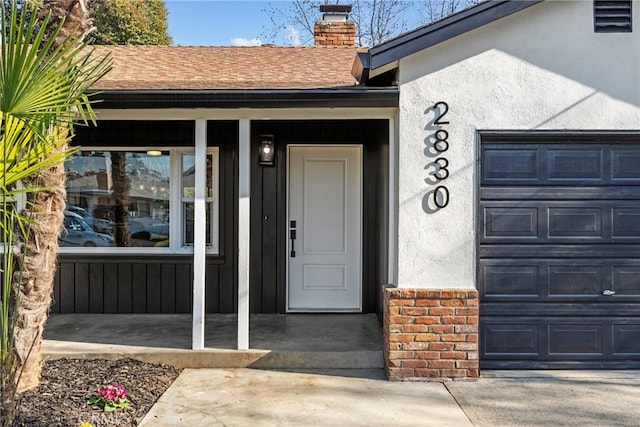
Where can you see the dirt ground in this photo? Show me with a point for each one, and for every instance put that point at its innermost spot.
(66, 384)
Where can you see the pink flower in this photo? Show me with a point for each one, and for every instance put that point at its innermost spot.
(112, 392)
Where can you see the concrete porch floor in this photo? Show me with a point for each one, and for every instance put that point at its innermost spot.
(292, 341)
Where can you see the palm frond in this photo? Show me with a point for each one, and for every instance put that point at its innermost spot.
(44, 81)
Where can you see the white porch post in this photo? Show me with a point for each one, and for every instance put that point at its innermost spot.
(244, 194)
(199, 236)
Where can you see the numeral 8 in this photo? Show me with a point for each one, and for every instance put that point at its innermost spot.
(441, 145)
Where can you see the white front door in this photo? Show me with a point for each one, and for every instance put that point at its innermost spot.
(325, 228)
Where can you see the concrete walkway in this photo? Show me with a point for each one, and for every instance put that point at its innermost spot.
(250, 397)
(551, 398)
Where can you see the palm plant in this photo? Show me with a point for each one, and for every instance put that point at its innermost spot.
(44, 80)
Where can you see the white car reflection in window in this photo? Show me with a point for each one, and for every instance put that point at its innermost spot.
(99, 225)
(78, 233)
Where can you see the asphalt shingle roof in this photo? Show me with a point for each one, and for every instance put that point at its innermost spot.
(202, 68)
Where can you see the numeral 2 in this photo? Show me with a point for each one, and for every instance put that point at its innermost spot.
(443, 113)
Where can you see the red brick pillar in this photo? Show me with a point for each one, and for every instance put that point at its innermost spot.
(430, 333)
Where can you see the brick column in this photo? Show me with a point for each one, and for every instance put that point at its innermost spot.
(430, 333)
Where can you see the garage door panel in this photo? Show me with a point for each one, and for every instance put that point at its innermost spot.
(508, 165)
(541, 308)
(625, 222)
(626, 281)
(560, 339)
(626, 339)
(564, 193)
(572, 281)
(519, 340)
(561, 279)
(551, 164)
(569, 222)
(581, 339)
(559, 251)
(489, 251)
(575, 164)
(574, 222)
(625, 166)
(510, 280)
(511, 222)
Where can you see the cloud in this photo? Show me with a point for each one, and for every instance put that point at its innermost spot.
(293, 36)
(241, 41)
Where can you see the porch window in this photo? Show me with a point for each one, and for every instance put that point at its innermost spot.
(188, 193)
(136, 200)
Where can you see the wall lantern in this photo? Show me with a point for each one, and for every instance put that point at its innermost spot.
(267, 151)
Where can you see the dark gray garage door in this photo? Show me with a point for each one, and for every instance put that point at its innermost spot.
(559, 250)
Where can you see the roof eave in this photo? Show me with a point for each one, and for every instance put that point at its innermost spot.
(361, 66)
(445, 29)
(262, 98)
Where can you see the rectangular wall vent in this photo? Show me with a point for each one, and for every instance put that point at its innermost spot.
(612, 16)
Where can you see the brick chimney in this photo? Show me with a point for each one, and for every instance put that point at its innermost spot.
(334, 29)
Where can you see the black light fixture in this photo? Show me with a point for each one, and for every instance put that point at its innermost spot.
(267, 153)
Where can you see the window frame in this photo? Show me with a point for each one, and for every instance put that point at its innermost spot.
(213, 201)
(176, 217)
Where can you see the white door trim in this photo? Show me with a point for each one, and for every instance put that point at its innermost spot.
(287, 246)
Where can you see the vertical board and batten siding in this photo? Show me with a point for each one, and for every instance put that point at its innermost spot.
(269, 204)
(155, 283)
(559, 250)
(163, 283)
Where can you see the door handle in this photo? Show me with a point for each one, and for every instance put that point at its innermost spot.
(608, 293)
(292, 236)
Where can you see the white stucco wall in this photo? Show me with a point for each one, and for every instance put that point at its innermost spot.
(541, 68)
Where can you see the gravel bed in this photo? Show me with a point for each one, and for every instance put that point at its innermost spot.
(66, 384)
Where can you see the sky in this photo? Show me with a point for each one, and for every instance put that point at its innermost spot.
(223, 22)
(218, 22)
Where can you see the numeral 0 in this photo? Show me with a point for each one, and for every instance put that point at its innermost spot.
(441, 196)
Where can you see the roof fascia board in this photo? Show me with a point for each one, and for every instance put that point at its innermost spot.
(383, 69)
(328, 98)
(445, 29)
(247, 113)
(361, 66)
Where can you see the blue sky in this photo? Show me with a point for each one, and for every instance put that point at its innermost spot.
(217, 22)
(224, 22)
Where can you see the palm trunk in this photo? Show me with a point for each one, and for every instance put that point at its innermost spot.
(38, 272)
(35, 285)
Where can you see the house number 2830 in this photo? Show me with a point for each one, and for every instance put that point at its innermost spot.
(441, 145)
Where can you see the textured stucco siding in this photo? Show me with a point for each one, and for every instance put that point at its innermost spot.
(541, 68)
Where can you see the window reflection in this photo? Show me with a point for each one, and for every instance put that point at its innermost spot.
(120, 194)
(188, 196)
(77, 232)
